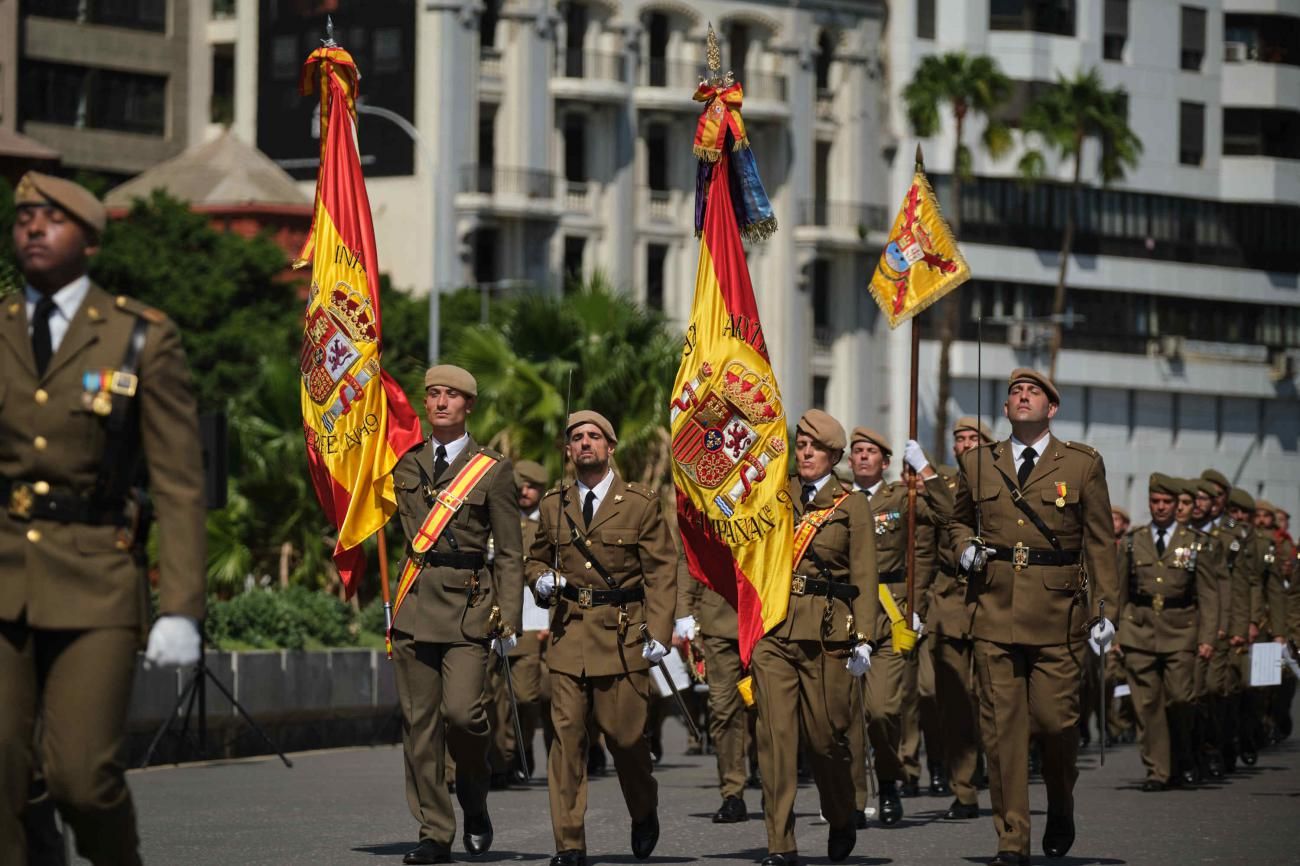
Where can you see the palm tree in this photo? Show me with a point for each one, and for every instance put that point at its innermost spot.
(1064, 116)
(967, 84)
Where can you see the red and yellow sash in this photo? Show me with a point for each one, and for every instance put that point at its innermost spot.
(812, 521)
(448, 502)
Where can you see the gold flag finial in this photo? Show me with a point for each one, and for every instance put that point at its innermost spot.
(713, 55)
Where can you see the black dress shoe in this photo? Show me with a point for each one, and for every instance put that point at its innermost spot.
(1152, 786)
(860, 821)
(910, 789)
(1191, 776)
(1059, 835)
(753, 781)
(939, 786)
(891, 807)
(518, 776)
(1009, 858)
(790, 859)
(571, 857)
(645, 835)
(1249, 757)
(839, 845)
(732, 811)
(427, 851)
(960, 811)
(1214, 764)
(478, 834)
(499, 782)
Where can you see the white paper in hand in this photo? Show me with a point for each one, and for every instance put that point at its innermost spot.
(1122, 691)
(676, 669)
(1265, 664)
(535, 618)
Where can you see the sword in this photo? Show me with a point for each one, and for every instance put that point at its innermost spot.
(500, 631)
(1101, 693)
(866, 739)
(663, 670)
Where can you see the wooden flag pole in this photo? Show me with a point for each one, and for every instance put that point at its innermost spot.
(911, 434)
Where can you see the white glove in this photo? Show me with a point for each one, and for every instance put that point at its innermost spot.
(917, 625)
(974, 558)
(653, 651)
(685, 627)
(548, 584)
(1103, 633)
(914, 456)
(503, 645)
(173, 640)
(859, 660)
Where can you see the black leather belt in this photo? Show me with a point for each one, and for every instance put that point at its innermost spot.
(36, 500)
(587, 597)
(1162, 602)
(896, 576)
(1022, 556)
(801, 585)
(463, 561)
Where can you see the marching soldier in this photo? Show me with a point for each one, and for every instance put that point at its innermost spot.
(97, 389)
(1247, 619)
(892, 679)
(451, 489)
(1168, 617)
(1211, 683)
(1044, 513)
(949, 623)
(604, 558)
(804, 667)
(1270, 519)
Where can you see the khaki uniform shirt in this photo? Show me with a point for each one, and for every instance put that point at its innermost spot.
(889, 523)
(1181, 575)
(1038, 605)
(948, 610)
(1247, 574)
(629, 537)
(78, 575)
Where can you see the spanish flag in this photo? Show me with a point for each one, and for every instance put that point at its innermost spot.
(356, 419)
(729, 429)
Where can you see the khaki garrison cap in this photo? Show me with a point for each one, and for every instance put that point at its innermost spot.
(1217, 477)
(1241, 499)
(1121, 511)
(72, 198)
(1166, 484)
(823, 428)
(451, 376)
(587, 416)
(970, 422)
(530, 472)
(866, 434)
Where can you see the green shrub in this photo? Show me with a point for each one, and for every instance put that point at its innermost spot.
(295, 618)
(371, 620)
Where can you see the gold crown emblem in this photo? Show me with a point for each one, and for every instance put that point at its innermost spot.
(750, 393)
(352, 309)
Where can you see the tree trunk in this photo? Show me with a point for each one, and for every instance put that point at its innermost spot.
(949, 309)
(1058, 299)
(286, 556)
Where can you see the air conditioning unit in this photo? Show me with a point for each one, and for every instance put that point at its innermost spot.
(1235, 52)
(1020, 335)
(1171, 347)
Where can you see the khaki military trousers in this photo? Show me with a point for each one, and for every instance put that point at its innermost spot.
(1024, 689)
(798, 687)
(526, 677)
(1162, 684)
(441, 690)
(81, 681)
(887, 683)
(728, 723)
(857, 735)
(918, 721)
(619, 707)
(1119, 712)
(957, 712)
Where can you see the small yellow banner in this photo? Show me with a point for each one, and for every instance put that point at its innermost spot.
(921, 262)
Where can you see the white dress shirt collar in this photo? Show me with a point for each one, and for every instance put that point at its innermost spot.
(601, 488)
(67, 301)
(1018, 447)
(1168, 530)
(453, 448)
(870, 491)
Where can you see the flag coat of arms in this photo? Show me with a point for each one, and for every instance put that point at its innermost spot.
(921, 262)
(729, 433)
(356, 420)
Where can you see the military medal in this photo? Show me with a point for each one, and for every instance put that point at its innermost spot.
(1061, 490)
(102, 403)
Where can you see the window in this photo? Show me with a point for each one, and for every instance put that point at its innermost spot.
(388, 50)
(222, 107)
(575, 33)
(821, 293)
(1023, 94)
(821, 384)
(1040, 16)
(821, 182)
(487, 26)
(656, 149)
(134, 14)
(575, 247)
(924, 19)
(487, 255)
(656, 259)
(1191, 132)
(1193, 41)
(737, 49)
(1114, 30)
(657, 26)
(825, 57)
(89, 98)
(285, 62)
(1261, 132)
(575, 148)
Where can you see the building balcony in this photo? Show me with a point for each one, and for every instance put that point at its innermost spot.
(590, 75)
(665, 209)
(839, 223)
(490, 75)
(1262, 85)
(525, 192)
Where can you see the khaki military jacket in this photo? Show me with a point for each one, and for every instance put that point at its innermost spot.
(948, 611)
(1280, 601)
(1247, 557)
(528, 644)
(714, 616)
(846, 543)
(1038, 605)
(77, 575)
(443, 606)
(629, 536)
(1177, 576)
(889, 521)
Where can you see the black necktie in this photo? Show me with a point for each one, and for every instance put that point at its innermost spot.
(1026, 464)
(809, 493)
(42, 345)
(1160, 542)
(440, 461)
(588, 507)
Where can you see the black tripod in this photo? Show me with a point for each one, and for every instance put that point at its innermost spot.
(196, 692)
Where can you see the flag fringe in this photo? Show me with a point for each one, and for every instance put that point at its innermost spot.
(759, 231)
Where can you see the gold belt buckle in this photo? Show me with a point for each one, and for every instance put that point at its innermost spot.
(1158, 603)
(798, 585)
(1020, 555)
(21, 501)
(584, 597)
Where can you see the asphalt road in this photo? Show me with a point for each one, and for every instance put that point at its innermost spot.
(348, 807)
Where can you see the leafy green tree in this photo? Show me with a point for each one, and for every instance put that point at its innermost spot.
(1068, 113)
(968, 85)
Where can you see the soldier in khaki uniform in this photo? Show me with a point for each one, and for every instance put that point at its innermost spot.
(1247, 621)
(948, 620)
(604, 558)
(526, 661)
(92, 389)
(455, 610)
(1044, 513)
(1168, 617)
(804, 667)
(892, 679)
(1268, 519)
(1212, 675)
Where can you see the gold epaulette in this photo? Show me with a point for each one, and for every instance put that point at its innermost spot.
(141, 309)
(1079, 446)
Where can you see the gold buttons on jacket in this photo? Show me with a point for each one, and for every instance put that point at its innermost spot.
(40, 488)
(33, 535)
(1020, 522)
(40, 443)
(42, 396)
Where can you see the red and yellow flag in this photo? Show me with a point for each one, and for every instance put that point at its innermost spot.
(356, 419)
(921, 263)
(729, 433)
